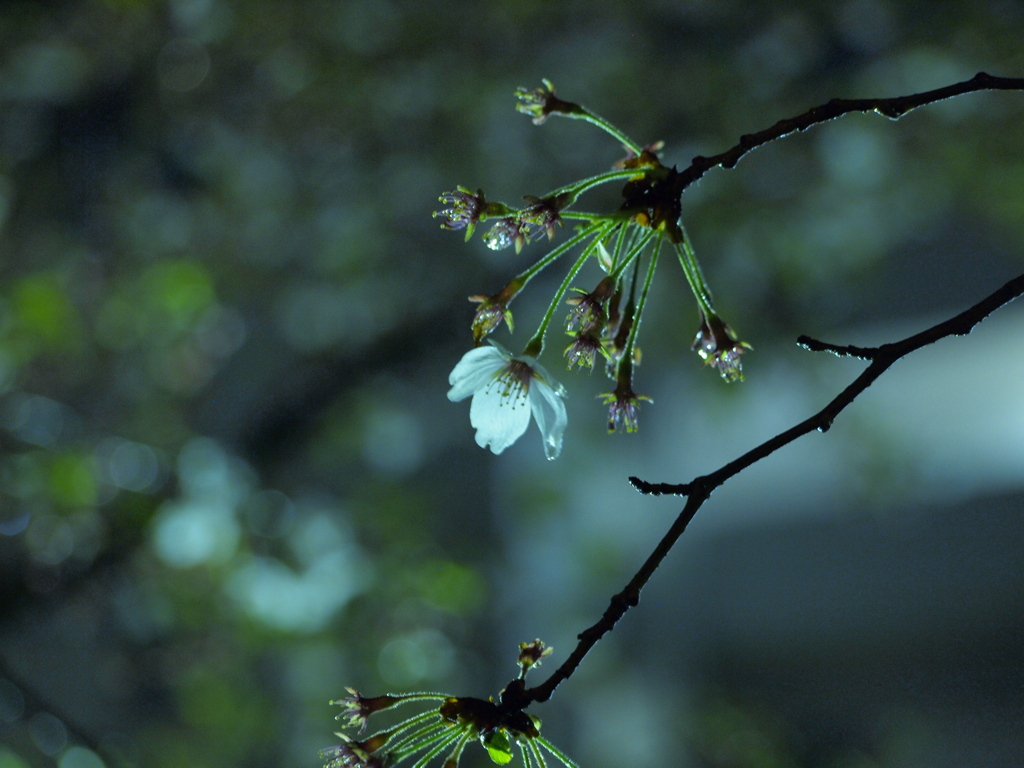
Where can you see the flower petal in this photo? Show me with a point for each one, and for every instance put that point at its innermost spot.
(499, 421)
(549, 411)
(474, 371)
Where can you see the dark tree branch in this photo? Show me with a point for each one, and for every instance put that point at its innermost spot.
(893, 108)
(700, 489)
(881, 358)
(516, 696)
(844, 350)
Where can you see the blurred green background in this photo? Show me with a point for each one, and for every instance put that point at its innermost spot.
(231, 483)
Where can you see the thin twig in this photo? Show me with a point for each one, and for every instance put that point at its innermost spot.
(700, 489)
(839, 350)
(893, 108)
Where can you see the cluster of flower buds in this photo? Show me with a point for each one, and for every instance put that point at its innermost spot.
(466, 209)
(531, 655)
(603, 323)
(452, 721)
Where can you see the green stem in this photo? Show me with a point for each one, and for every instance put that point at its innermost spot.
(586, 216)
(579, 187)
(535, 346)
(618, 248)
(407, 724)
(604, 125)
(569, 763)
(413, 738)
(641, 242)
(631, 341)
(694, 275)
(446, 738)
(457, 752)
(524, 277)
(541, 762)
(525, 749)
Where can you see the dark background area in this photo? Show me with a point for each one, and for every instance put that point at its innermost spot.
(231, 483)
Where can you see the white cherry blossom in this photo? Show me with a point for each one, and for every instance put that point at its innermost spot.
(506, 389)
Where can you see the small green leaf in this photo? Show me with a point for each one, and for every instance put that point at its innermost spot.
(498, 746)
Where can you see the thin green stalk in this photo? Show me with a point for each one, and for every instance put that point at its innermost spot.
(407, 724)
(600, 122)
(412, 738)
(691, 280)
(524, 277)
(588, 216)
(403, 699)
(639, 233)
(457, 752)
(577, 188)
(569, 763)
(538, 755)
(637, 246)
(631, 341)
(443, 741)
(525, 749)
(535, 346)
(618, 246)
(694, 275)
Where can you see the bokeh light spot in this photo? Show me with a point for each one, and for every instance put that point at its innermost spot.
(12, 702)
(187, 534)
(8, 370)
(128, 465)
(48, 733)
(51, 71)
(183, 289)
(289, 69)
(34, 419)
(424, 654)
(73, 480)
(268, 513)
(331, 570)
(10, 760)
(50, 539)
(368, 26)
(205, 470)
(393, 442)
(80, 757)
(451, 587)
(314, 317)
(44, 312)
(182, 64)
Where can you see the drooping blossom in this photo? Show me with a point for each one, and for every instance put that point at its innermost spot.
(584, 349)
(489, 315)
(464, 210)
(720, 347)
(588, 310)
(507, 231)
(541, 102)
(530, 655)
(506, 390)
(623, 408)
(356, 708)
(542, 214)
(352, 754)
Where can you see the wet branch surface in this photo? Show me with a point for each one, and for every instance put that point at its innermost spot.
(699, 490)
(881, 358)
(893, 108)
